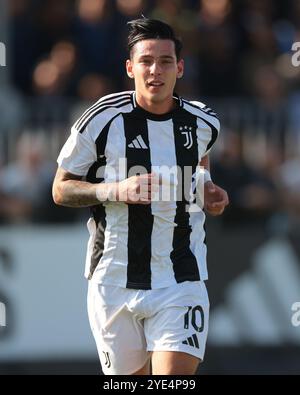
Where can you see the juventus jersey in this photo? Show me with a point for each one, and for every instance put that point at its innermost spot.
(133, 245)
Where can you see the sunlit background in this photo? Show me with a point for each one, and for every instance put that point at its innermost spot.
(61, 56)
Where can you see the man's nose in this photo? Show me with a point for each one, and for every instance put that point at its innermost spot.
(155, 69)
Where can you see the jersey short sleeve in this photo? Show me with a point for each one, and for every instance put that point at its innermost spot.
(208, 125)
(79, 152)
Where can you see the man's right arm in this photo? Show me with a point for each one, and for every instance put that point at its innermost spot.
(69, 190)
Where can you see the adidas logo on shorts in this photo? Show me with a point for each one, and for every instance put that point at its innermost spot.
(192, 341)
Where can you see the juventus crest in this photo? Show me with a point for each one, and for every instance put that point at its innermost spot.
(187, 131)
(107, 362)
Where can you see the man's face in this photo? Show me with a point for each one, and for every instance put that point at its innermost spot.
(154, 67)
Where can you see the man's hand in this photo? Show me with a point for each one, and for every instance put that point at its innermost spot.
(137, 189)
(215, 199)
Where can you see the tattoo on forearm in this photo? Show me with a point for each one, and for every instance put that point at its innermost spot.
(78, 194)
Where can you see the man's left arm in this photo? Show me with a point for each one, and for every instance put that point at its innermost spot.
(215, 197)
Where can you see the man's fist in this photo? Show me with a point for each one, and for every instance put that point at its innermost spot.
(215, 198)
(137, 189)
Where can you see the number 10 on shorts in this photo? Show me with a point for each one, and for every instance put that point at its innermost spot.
(195, 317)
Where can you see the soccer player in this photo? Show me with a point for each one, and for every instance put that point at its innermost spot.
(146, 256)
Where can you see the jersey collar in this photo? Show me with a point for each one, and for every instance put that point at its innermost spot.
(156, 117)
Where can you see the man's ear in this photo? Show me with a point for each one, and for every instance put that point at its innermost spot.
(180, 68)
(129, 68)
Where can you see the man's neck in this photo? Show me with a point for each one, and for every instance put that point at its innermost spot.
(156, 108)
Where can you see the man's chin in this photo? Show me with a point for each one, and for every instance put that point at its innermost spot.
(157, 98)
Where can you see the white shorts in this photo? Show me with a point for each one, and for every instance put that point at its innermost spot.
(128, 324)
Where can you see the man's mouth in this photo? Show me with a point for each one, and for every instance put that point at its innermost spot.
(155, 83)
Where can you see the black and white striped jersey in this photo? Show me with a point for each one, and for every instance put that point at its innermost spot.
(142, 246)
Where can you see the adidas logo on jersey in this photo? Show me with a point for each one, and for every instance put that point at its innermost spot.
(138, 143)
(192, 341)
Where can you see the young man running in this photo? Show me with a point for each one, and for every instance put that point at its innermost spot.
(146, 258)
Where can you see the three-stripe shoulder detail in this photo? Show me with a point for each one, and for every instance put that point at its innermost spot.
(117, 101)
(211, 120)
(204, 110)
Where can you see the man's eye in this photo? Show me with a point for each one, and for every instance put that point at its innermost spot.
(167, 61)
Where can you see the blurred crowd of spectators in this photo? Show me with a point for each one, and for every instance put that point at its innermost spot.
(78, 48)
(66, 54)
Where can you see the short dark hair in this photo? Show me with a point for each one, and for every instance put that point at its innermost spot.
(145, 29)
